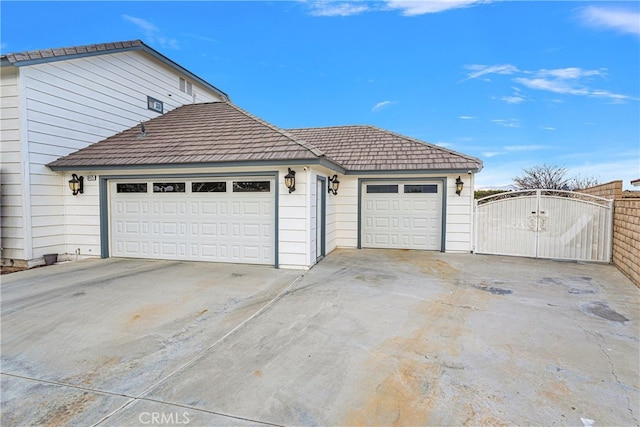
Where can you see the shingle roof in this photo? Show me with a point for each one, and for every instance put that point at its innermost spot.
(193, 134)
(368, 148)
(222, 132)
(48, 55)
(16, 58)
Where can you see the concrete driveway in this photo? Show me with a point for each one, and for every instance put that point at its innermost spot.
(366, 337)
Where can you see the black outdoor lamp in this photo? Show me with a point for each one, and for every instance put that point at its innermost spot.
(290, 181)
(76, 184)
(334, 184)
(459, 185)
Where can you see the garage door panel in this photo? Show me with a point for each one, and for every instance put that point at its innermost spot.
(214, 226)
(395, 219)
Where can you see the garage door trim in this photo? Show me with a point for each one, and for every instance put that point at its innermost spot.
(104, 200)
(441, 180)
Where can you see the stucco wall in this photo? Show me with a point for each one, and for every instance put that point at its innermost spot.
(626, 228)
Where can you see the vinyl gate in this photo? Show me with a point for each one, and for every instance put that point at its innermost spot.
(545, 224)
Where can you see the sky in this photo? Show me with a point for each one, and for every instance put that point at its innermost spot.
(517, 84)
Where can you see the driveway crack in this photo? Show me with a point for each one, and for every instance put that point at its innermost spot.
(598, 338)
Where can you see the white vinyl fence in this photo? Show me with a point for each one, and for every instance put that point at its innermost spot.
(545, 224)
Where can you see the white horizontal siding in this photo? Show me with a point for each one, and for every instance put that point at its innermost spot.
(72, 104)
(294, 250)
(346, 206)
(11, 203)
(459, 221)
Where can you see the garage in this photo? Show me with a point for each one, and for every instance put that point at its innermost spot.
(227, 219)
(401, 214)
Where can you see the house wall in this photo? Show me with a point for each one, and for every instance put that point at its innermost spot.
(82, 212)
(626, 228)
(458, 217)
(71, 104)
(11, 177)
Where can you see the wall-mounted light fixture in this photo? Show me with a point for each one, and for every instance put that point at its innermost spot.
(76, 184)
(334, 184)
(290, 181)
(459, 185)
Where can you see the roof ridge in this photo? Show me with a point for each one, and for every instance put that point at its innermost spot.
(315, 150)
(419, 141)
(329, 127)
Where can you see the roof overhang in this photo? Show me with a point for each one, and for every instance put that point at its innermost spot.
(414, 171)
(296, 162)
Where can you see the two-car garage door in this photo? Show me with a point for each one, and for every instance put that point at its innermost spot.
(217, 219)
(401, 214)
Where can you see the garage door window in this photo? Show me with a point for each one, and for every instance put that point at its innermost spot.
(251, 186)
(209, 187)
(168, 187)
(433, 189)
(132, 188)
(382, 188)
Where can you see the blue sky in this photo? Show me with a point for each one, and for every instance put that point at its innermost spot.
(514, 83)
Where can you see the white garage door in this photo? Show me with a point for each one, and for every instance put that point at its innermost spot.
(221, 220)
(402, 215)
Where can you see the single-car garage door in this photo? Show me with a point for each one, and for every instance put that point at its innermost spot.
(401, 215)
(221, 219)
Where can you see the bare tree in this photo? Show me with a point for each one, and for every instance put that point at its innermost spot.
(552, 177)
(581, 182)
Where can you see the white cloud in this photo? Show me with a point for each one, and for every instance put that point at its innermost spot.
(547, 128)
(481, 70)
(492, 153)
(420, 7)
(570, 73)
(380, 105)
(566, 81)
(626, 21)
(556, 86)
(466, 117)
(329, 8)
(532, 147)
(444, 144)
(512, 99)
(152, 33)
(405, 7)
(508, 123)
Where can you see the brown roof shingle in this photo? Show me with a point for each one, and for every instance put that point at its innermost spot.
(222, 132)
(192, 134)
(368, 148)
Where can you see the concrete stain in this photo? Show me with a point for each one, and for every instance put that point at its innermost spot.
(603, 311)
(61, 415)
(103, 364)
(426, 263)
(404, 384)
(493, 290)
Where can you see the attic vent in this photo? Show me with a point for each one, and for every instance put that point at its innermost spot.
(186, 86)
(155, 105)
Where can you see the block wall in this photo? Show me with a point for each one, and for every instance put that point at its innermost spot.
(626, 228)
